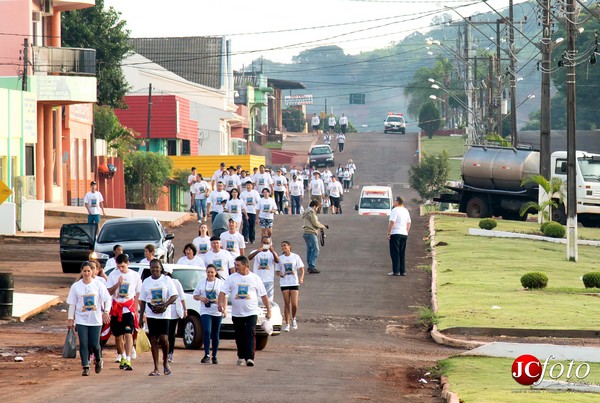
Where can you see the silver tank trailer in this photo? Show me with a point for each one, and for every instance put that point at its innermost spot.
(499, 168)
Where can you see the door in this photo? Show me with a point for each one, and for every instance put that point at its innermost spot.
(77, 242)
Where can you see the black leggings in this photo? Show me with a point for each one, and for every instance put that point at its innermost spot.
(341, 146)
(172, 328)
(279, 200)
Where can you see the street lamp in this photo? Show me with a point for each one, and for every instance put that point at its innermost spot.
(470, 127)
(475, 123)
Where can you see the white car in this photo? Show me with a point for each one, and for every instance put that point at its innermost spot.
(190, 328)
(375, 200)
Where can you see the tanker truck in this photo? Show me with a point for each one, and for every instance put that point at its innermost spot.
(492, 178)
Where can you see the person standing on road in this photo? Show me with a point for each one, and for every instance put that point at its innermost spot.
(94, 203)
(89, 307)
(398, 228)
(232, 240)
(296, 193)
(343, 123)
(263, 180)
(341, 139)
(265, 260)
(124, 285)
(335, 194)
(218, 175)
(347, 179)
(200, 192)
(251, 197)
(245, 289)
(232, 180)
(266, 212)
(310, 227)
(352, 169)
(331, 123)
(237, 208)
(191, 180)
(315, 122)
(207, 292)
(157, 294)
(219, 258)
(215, 200)
(202, 241)
(280, 188)
(317, 190)
(291, 271)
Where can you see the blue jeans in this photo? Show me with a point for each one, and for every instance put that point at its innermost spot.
(89, 341)
(312, 249)
(248, 229)
(211, 326)
(93, 218)
(200, 205)
(296, 201)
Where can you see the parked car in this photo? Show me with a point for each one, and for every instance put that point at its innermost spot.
(79, 243)
(190, 328)
(321, 156)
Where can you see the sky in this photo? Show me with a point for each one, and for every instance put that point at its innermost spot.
(280, 29)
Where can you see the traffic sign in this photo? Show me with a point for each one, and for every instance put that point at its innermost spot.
(5, 192)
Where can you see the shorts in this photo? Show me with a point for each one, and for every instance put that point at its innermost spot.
(158, 327)
(315, 127)
(266, 222)
(335, 201)
(125, 326)
(290, 288)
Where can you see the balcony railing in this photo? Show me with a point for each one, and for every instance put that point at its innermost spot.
(64, 61)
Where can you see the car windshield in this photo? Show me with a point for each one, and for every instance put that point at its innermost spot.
(590, 169)
(128, 232)
(380, 203)
(320, 151)
(395, 119)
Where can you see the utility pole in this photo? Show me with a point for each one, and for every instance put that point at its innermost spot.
(25, 63)
(571, 53)
(545, 112)
(513, 76)
(468, 82)
(149, 117)
(499, 79)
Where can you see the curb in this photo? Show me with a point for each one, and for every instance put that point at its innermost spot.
(447, 394)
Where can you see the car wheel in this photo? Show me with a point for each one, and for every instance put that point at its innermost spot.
(385, 131)
(192, 333)
(261, 342)
(559, 215)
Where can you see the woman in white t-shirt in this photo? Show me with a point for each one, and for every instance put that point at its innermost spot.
(89, 307)
(296, 193)
(236, 207)
(200, 189)
(291, 270)
(266, 208)
(207, 292)
(202, 241)
(190, 257)
(178, 311)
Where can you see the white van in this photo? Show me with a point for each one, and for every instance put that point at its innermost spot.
(375, 200)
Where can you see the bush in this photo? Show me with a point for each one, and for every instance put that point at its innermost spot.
(554, 230)
(591, 280)
(534, 280)
(544, 225)
(487, 223)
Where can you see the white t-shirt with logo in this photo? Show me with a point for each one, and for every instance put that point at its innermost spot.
(155, 292)
(131, 286)
(199, 189)
(90, 301)
(401, 218)
(218, 175)
(231, 182)
(327, 176)
(93, 200)
(317, 188)
(296, 188)
(197, 261)
(221, 260)
(192, 180)
(210, 290)
(235, 208)
(251, 198)
(289, 266)
(202, 244)
(244, 292)
(263, 181)
(279, 183)
(215, 200)
(232, 243)
(264, 266)
(266, 207)
(335, 189)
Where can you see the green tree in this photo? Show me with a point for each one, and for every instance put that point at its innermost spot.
(429, 177)
(101, 29)
(553, 189)
(429, 119)
(118, 137)
(145, 174)
(293, 119)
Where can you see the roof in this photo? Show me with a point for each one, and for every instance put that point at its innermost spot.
(131, 219)
(285, 84)
(198, 59)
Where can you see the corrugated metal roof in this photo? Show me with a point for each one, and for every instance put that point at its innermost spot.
(197, 59)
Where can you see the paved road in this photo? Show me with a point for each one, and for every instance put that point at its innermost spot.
(357, 338)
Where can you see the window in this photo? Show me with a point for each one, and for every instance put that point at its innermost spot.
(29, 160)
(561, 167)
(185, 147)
(171, 147)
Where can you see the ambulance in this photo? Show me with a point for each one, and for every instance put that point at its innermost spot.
(375, 200)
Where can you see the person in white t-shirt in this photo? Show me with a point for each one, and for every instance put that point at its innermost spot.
(296, 193)
(149, 251)
(280, 189)
(263, 180)
(94, 203)
(110, 263)
(190, 256)
(265, 260)
(343, 123)
(315, 122)
(331, 123)
(124, 285)
(157, 294)
(335, 194)
(291, 270)
(341, 139)
(326, 176)
(202, 241)
(200, 192)
(191, 180)
(207, 292)
(89, 307)
(232, 180)
(219, 258)
(245, 289)
(178, 310)
(266, 208)
(218, 175)
(237, 208)
(251, 197)
(317, 189)
(232, 241)
(398, 228)
(215, 200)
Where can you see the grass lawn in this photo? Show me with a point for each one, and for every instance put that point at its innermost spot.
(476, 274)
(455, 146)
(273, 145)
(482, 379)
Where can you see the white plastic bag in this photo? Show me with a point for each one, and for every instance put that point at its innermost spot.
(267, 326)
(301, 209)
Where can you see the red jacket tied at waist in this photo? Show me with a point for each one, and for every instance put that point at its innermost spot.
(117, 310)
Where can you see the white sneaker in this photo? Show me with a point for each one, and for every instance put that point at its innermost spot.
(170, 358)
(286, 328)
(118, 359)
(240, 362)
(294, 324)
(133, 354)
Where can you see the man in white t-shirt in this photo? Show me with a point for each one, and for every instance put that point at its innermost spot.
(263, 180)
(94, 203)
(317, 189)
(215, 200)
(232, 241)
(218, 175)
(315, 122)
(232, 180)
(398, 229)
(343, 123)
(219, 258)
(264, 260)
(124, 285)
(251, 198)
(244, 288)
(191, 180)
